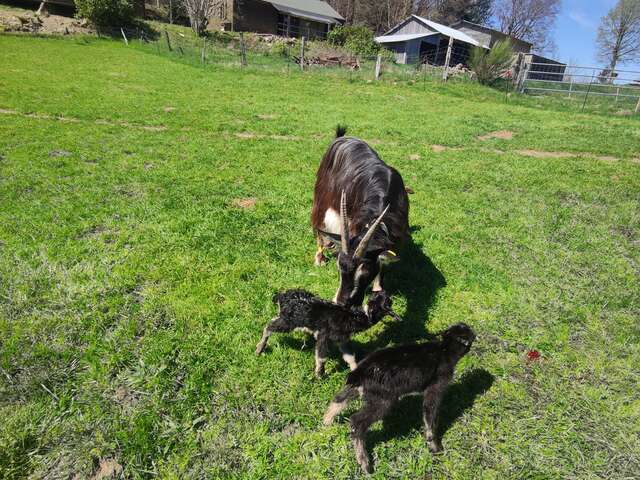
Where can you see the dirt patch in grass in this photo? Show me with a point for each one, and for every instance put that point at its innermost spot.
(438, 148)
(414, 156)
(244, 203)
(59, 153)
(267, 116)
(254, 136)
(539, 154)
(108, 468)
(169, 109)
(542, 154)
(500, 134)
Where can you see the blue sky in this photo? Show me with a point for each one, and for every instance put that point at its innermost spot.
(576, 31)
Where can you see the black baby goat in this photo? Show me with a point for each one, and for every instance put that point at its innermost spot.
(327, 321)
(386, 375)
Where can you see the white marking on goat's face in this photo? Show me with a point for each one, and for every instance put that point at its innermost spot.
(332, 222)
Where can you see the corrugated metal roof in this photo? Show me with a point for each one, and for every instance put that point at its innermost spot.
(312, 9)
(403, 37)
(448, 31)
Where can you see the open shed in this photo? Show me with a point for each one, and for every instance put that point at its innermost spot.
(418, 39)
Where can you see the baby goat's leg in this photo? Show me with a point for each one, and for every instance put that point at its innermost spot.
(348, 356)
(272, 326)
(374, 410)
(322, 350)
(430, 407)
(339, 403)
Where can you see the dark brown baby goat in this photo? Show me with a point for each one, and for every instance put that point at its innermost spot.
(386, 375)
(327, 321)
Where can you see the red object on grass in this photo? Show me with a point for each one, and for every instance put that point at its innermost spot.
(533, 355)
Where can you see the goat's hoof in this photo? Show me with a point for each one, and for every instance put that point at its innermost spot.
(435, 447)
(320, 262)
(366, 467)
(259, 350)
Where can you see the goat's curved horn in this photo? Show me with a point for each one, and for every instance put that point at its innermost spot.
(364, 243)
(344, 223)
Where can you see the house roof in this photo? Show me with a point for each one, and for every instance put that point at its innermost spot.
(488, 29)
(315, 10)
(448, 31)
(403, 37)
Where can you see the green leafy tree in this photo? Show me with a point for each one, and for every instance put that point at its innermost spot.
(490, 65)
(106, 12)
(355, 38)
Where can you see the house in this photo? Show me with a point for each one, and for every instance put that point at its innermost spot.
(288, 18)
(488, 36)
(417, 39)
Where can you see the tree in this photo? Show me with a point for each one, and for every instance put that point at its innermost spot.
(106, 12)
(530, 20)
(491, 65)
(382, 15)
(619, 34)
(199, 12)
(451, 11)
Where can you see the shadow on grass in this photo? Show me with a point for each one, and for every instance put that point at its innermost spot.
(406, 416)
(416, 278)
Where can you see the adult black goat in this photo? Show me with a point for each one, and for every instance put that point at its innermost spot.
(386, 375)
(327, 321)
(356, 192)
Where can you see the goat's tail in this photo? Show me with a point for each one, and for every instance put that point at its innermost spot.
(341, 130)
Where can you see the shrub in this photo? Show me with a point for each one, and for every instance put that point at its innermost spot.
(106, 12)
(490, 66)
(357, 39)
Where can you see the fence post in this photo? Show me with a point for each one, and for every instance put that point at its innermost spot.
(638, 106)
(166, 35)
(302, 54)
(527, 67)
(588, 90)
(617, 94)
(204, 47)
(445, 73)
(571, 86)
(124, 36)
(378, 66)
(243, 51)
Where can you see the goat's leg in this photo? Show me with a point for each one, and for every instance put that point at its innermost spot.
(322, 350)
(431, 404)
(340, 402)
(320, 259)
(272, 326)
(374, 410)
(348, 356)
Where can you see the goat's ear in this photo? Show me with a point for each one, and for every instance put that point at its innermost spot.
(331, 237)
(387, 257)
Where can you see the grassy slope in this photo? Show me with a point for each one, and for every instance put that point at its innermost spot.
(134, 291)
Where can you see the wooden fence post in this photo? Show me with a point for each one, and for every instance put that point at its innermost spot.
(166, 35)
(124, 36)
(571, 86)
(445, 73)
(302, 55)
(204, 47)
(638, 106)
(378, 66)
(243, 51)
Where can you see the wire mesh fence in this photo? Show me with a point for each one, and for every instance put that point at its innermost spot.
(580, 84)
(577, 86)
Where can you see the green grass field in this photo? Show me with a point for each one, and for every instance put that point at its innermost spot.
(136, 272)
